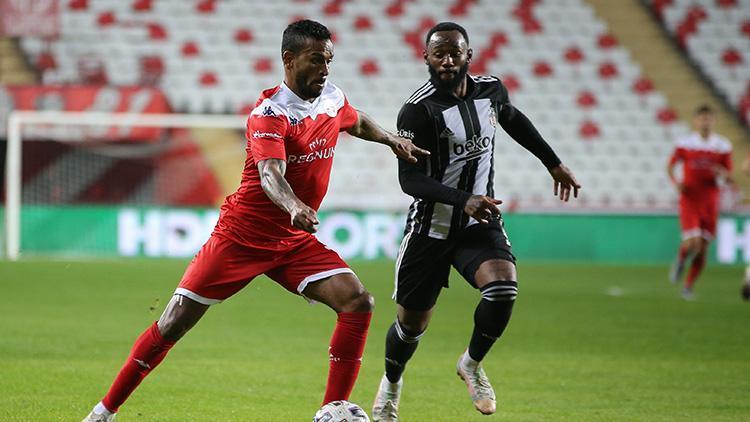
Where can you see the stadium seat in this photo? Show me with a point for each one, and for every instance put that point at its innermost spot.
(714, 34)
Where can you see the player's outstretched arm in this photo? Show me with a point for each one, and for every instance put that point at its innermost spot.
(278, 190)
(366, 128)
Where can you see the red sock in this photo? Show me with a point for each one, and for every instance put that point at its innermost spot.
(345, 351)
(148, 351)
(699, 261)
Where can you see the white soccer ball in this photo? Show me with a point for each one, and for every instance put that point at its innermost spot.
(340, 411)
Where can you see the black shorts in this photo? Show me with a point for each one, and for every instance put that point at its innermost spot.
(424, 263)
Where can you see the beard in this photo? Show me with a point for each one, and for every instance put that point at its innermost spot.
(452, 84)
(307, 90)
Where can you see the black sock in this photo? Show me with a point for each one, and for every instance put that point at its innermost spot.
(491, 316)
(399, 347)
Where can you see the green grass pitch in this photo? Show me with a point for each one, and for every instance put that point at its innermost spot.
(586, 342)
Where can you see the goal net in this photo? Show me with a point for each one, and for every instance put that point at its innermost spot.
(72, 179)
(84, 184)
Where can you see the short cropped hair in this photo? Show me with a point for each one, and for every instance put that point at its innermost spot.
(297, 33)
(446, 26)
(704, 109)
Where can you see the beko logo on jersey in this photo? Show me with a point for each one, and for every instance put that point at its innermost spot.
(472, 146)
(405, 134)
(308, 158)
(258, 134)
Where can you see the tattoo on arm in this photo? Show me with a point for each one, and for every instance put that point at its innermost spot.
(275, 185)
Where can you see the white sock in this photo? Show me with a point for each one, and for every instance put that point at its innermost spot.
(99, 409)
(467, 362)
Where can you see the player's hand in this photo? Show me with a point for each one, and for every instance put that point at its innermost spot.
(482, 208)
(305, 218)
(565, 182)
(406, 150)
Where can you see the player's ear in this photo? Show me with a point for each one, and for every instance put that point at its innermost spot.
(287, 57)
(424, 55)
(469, 53)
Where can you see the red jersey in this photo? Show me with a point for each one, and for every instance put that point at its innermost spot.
(700, 158)
(302, 133)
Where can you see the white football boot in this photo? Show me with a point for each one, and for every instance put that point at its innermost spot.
(385, 407)
(96, 417)
(479, 386)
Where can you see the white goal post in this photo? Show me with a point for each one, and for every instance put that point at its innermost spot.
(17, 119)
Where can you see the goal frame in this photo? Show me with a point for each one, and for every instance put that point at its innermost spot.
(17, 119)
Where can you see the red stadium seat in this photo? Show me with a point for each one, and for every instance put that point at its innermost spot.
(263, 65)
(460, 7)
(78, 4)
(643, 86)
(208, 79)
(332, 8)
(608, 70)
(395, 9)
(666, 116)
(46, 61)
(206, 6)
(606, 41)
(726, 4)
(586, 99)
(189, 49)
(731, 57)
(512, 83)
(91, 71)
(362, 23)
(152, 70)
(745, 28)
(142, 5)
(542, 69)
(499, 39)
(369, 67)
(243, 36)
(573, 55)
(589, 130)
(156, 31)
(106, 19)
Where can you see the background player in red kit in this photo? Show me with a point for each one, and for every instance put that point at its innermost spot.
(706, 158)
(266, 226)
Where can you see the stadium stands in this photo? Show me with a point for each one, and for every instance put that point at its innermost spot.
(716, 35)
(558, 60)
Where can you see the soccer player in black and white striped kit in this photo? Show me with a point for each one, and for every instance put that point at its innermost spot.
(454, 219)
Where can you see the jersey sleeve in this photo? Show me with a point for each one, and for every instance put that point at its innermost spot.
(349, 116)
(677, 156)
(413, 123)
(265, 135)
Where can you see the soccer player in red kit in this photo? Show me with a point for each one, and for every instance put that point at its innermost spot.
(266, 226)
(706, 158)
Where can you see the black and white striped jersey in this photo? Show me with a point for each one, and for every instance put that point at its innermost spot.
(460, 135)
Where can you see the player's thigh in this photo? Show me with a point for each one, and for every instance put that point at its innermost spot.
(422, 270)
(220, 269)
(483, 255)
(342, 293)
(318, 273)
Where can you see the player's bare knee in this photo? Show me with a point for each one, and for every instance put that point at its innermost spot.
(361, 301)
